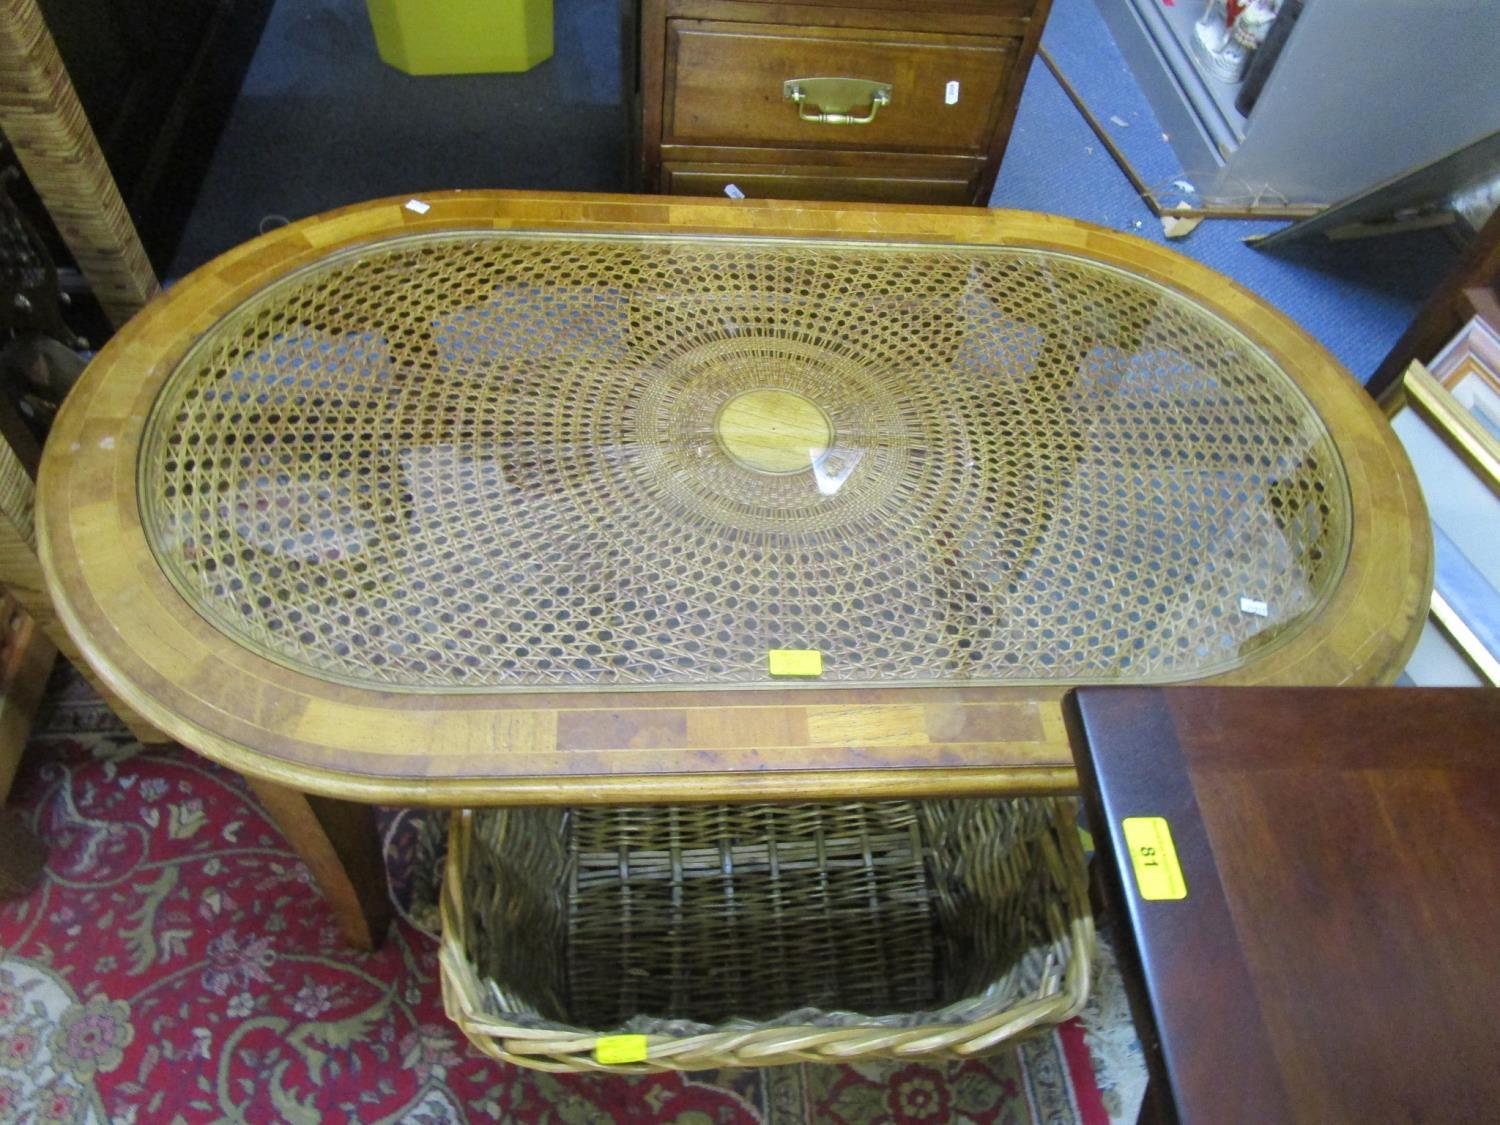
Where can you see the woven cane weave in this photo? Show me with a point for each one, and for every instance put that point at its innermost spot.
(494, 460)
(752, 934)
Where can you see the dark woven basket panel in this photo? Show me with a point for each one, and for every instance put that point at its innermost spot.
(594, 917)
(709, 913)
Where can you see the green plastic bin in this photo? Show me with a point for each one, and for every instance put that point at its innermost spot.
(462, 36)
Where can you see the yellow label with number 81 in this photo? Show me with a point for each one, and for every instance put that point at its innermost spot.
(1158, 874)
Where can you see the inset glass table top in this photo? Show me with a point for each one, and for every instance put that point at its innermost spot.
(486, 461)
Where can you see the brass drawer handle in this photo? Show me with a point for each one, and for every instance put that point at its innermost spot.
(836, 99)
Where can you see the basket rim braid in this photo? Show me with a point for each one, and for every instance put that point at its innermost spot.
(512, 1029)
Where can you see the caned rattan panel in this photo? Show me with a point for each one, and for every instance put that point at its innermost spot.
(1077, 453)
(489, 461)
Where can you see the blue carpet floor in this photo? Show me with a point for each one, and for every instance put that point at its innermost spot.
(1082, 48)
(322, 122)
(1354, 297)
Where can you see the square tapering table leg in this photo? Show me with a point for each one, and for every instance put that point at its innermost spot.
(339, 843)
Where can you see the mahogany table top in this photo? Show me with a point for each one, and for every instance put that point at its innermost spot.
(1332, 954)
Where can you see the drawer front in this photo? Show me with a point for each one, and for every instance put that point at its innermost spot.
(725, 86)
(812, 182)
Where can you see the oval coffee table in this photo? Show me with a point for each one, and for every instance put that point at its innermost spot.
(511, 499)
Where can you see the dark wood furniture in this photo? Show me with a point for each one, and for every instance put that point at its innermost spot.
(1472, 288)
(718, 84)
(1335, 956)
(26, 658)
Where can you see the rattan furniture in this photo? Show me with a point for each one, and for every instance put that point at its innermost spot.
(503, 499)
(757, 935)
(44, 122)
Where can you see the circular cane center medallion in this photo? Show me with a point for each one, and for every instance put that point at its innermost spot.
(774, 431)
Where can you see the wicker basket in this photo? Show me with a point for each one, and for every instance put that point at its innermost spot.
(751, 935)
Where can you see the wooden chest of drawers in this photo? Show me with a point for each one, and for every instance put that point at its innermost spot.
(829, 99)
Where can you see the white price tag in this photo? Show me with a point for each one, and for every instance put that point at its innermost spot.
(950, 94)
(733, 192)
(418, 206)
(1259, 609)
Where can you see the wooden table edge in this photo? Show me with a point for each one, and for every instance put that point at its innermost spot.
(1173, 796)
(1380, 652)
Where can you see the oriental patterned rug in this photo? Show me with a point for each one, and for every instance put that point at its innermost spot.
(177, 965)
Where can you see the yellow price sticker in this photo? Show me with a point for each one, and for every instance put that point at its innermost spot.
(612, 1049)
(1158, 873)
(795, 662)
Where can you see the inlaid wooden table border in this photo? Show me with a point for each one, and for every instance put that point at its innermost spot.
(670, 744)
